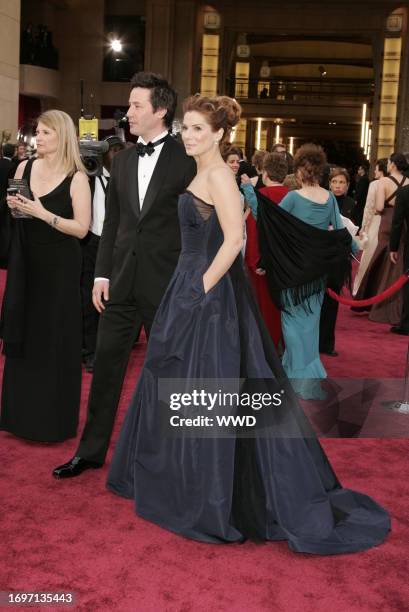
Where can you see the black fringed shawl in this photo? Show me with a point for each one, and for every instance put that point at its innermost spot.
(300, 260)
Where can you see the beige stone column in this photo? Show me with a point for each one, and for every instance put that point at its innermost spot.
(402, 139)
(160, 16)
(9, 65)
(80, 41)
(170, 42)
(184, 47)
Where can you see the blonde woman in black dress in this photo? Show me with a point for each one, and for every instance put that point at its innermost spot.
(41, 314)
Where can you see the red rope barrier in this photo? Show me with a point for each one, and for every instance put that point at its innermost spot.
(373, 300)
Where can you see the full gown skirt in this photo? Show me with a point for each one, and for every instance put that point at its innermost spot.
(226, 489)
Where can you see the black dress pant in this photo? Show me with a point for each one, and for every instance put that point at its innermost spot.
(328, 321)
(357, 214)
(90, 316)
(118, 326)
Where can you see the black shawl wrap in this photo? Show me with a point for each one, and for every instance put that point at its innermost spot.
(300, 260)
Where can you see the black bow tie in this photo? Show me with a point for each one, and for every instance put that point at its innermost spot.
(148, 149)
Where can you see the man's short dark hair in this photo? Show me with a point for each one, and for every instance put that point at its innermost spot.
(9, 149)
(162, 94)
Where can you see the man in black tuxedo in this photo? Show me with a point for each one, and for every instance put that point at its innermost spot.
(137, 255)
(400, 216)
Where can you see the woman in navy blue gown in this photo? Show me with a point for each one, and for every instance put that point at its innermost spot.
(216, 489)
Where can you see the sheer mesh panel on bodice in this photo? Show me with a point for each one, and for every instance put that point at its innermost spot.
(204, 209)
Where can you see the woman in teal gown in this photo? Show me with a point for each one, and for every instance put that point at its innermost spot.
(300, 320)
(301, 323)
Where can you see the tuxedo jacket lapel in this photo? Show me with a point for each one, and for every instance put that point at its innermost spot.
(157, 180)
(132, 173)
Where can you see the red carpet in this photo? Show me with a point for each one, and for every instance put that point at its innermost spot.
(76, 536)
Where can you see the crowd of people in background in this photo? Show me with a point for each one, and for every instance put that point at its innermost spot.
(164, 253)
(366, 207)
(308, 187)
(273, 175)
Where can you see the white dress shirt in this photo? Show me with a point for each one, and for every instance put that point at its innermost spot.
(98, 203)
(146, 166)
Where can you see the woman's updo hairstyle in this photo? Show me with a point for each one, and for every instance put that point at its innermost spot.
(221, 112)
(310, 162)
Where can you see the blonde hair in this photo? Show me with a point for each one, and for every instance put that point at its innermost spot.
(68, 157)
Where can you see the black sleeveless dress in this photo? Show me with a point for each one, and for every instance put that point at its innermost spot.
(41, 386)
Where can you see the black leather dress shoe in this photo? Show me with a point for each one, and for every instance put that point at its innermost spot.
(397, 329)
(75, 467)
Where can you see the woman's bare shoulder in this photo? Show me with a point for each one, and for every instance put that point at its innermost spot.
(385, 181)
(80, 178)
(219, 173)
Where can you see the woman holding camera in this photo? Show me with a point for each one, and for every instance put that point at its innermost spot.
(41, 314)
